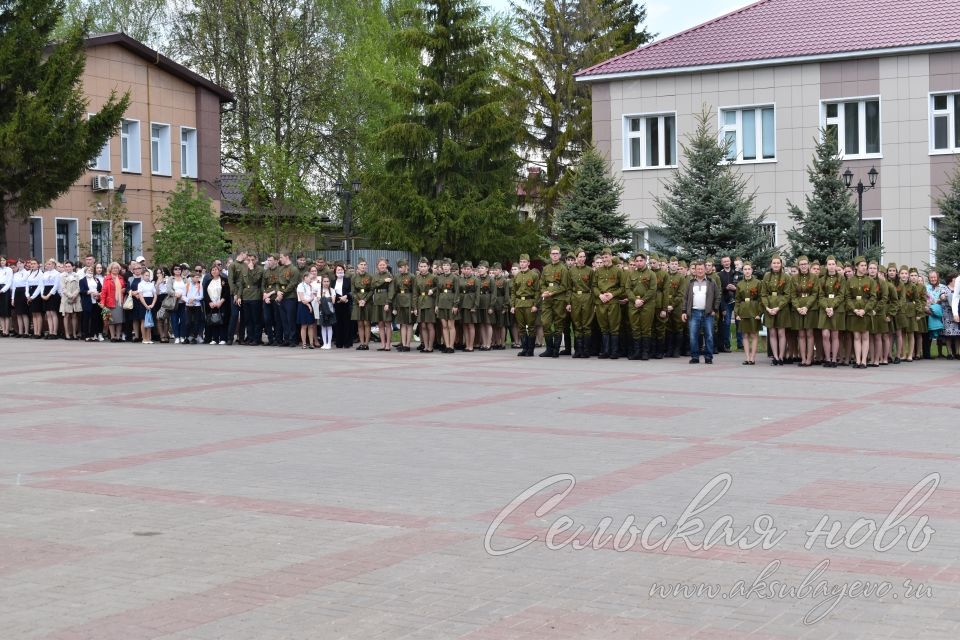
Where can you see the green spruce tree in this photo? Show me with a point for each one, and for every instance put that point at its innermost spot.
(449, 185)
(589, 215)
(828, 223)
(706, 210)
(188, 229)
(947, 233)
(46, 138)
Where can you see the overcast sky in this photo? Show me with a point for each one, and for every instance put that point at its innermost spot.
(667, 17)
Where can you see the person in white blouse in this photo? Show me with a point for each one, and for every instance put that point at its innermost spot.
(305, 315)
(177, 287)
(194, 306)
(147, 292)
(70, 305)
(6, 296)
(50, 297)
(34, 287)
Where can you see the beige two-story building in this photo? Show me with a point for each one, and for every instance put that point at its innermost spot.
(170, 131)
(882, 76)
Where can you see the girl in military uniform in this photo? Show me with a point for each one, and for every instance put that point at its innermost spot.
(425, 304)
(920, 306)
(877, 324)
(775, 299)
(381, 310)
(362, 313)
(803, 299)
(831, 311)
(469, 289)
(747, 310)
(861, 301)
(501, 307)
(448, 287)
(403, 304)
(894, 293)
(484, 306)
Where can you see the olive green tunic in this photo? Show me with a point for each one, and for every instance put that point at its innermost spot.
(775, 294)
(833, 293)
(747, 305)
(861, 294)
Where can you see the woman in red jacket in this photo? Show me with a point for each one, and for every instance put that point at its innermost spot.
(112, 298)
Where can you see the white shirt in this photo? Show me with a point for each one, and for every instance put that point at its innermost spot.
(34, 283)
(179, 286)
(955, 301)
(338, 286)
(6, 279)
(147, 289)
(194, 294)
(700, 294)
(305, 292)
(51, 279)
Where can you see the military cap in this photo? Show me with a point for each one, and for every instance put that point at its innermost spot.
(683, 263)
(829, 258)
(423, 260)
(673, 258)
(466, 264)
(402, 263)
(904, 267)
(815, 262)
(483, 263)
(525, 256)
(803, 259)
(858, 260)
(446, 261)
(874, 262)
(914, 270)
(607, 251)
(554, 248)
(640, 254)
(571, 256)
(578, 251)
(497, 265)
(708, 260)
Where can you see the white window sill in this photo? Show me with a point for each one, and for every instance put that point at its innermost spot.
(131, 171)
(668, 166)
(748, 162)
(161, 174)
(863, 156)
(945, 152)
(100, 170)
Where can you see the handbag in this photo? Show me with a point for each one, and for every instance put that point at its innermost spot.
(215, 318)
(148, 319)
(162, 313)
(169, 303)
(128, 302)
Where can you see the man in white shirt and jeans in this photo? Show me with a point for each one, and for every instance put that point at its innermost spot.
(700, 306)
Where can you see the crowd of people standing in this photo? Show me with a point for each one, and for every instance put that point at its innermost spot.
(640, 307)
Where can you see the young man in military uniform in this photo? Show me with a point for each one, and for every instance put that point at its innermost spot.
(235, 326)
(571, 261)
(555, 281)
(289, 279)
(251, 300)
(659, 267)
(525, 292)
(674, 288)
(580, 306)
(272, 288)
(642, 303)
(607, 291)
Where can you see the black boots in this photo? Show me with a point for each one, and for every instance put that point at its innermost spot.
(614, 347)
(645, 348)
(526, 346)
(553, 346)
(634, 349)
(605, 349)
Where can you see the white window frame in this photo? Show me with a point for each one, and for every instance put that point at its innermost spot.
(861, 123)
(629, 135)
(776, 231)
(134, 155)
(136, 246)
(933, 240)
(109, 240)
(190, 146)
(737, 128)
(36, 254)
(865, 235)
(102, 161)
(951, 122)
(73, 251)
(164, 147)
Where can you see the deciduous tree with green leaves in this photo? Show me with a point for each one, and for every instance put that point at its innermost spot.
(47, 139)
(707, 210)
(947, 232)
(449, 187)
(187, 229)
(589, 215)
(827, 225)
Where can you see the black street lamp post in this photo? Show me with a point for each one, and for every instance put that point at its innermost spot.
(860, 188)
(346, 191)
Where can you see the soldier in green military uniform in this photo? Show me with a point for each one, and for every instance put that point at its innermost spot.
(425, 304)
(403, 304)
(485, 310)
(775, 296)
(861, 301)
(468, 304)
(674, 288)
(501, 307)
(659, 268)
(567, 332)
(832, 311)
(524, 294)
(642, 306)
(272, 294)
(608, 287)
(581, 305)
(251, 299)
(381, 311)
(747, 310)
(448, 297)
(362, 312)
(555, 282)
(804, 292)
(289, 280)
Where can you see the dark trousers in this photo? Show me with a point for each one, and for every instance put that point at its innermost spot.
(194, 322)
(252, 316)
(725, 326)
(217, 332)
(234, 312)
(272, 323)
(178, 319)
(698, 319)
(343, 329)
(91, 322)
(291, 335)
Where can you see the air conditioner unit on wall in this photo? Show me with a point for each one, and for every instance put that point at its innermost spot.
(102, 183)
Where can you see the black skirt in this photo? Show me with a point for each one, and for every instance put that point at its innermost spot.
(20, 303)
(53, 302)
(5, 305)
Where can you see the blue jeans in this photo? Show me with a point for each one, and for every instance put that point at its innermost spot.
(178, 320)
(698, 319)
(725, 327)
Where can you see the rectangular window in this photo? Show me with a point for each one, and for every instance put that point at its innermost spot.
(36, 238)
(66, 240)
(100, 241)
(749, 134)
(102, 161)
(769, 232)
(130, 146)
(934, 227)
(188, 152)
(160, 149)
(854, 125)
(872, 233)
(651, 141)
(132, 241)
(945, 123)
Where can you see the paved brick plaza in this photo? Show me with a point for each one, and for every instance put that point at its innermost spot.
(206, 492)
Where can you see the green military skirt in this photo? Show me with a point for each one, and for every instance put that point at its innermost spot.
(835, 323)
(403, 315)
(469, 316)
(362, 314)
(426, 315)
(857, 324)
(446, 314)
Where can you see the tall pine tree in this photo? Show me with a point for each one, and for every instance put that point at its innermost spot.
(707, 210)
(556, 39)
(449, 187)
(46, 138)
(828, 224)
(589, 215)
(947, 233)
